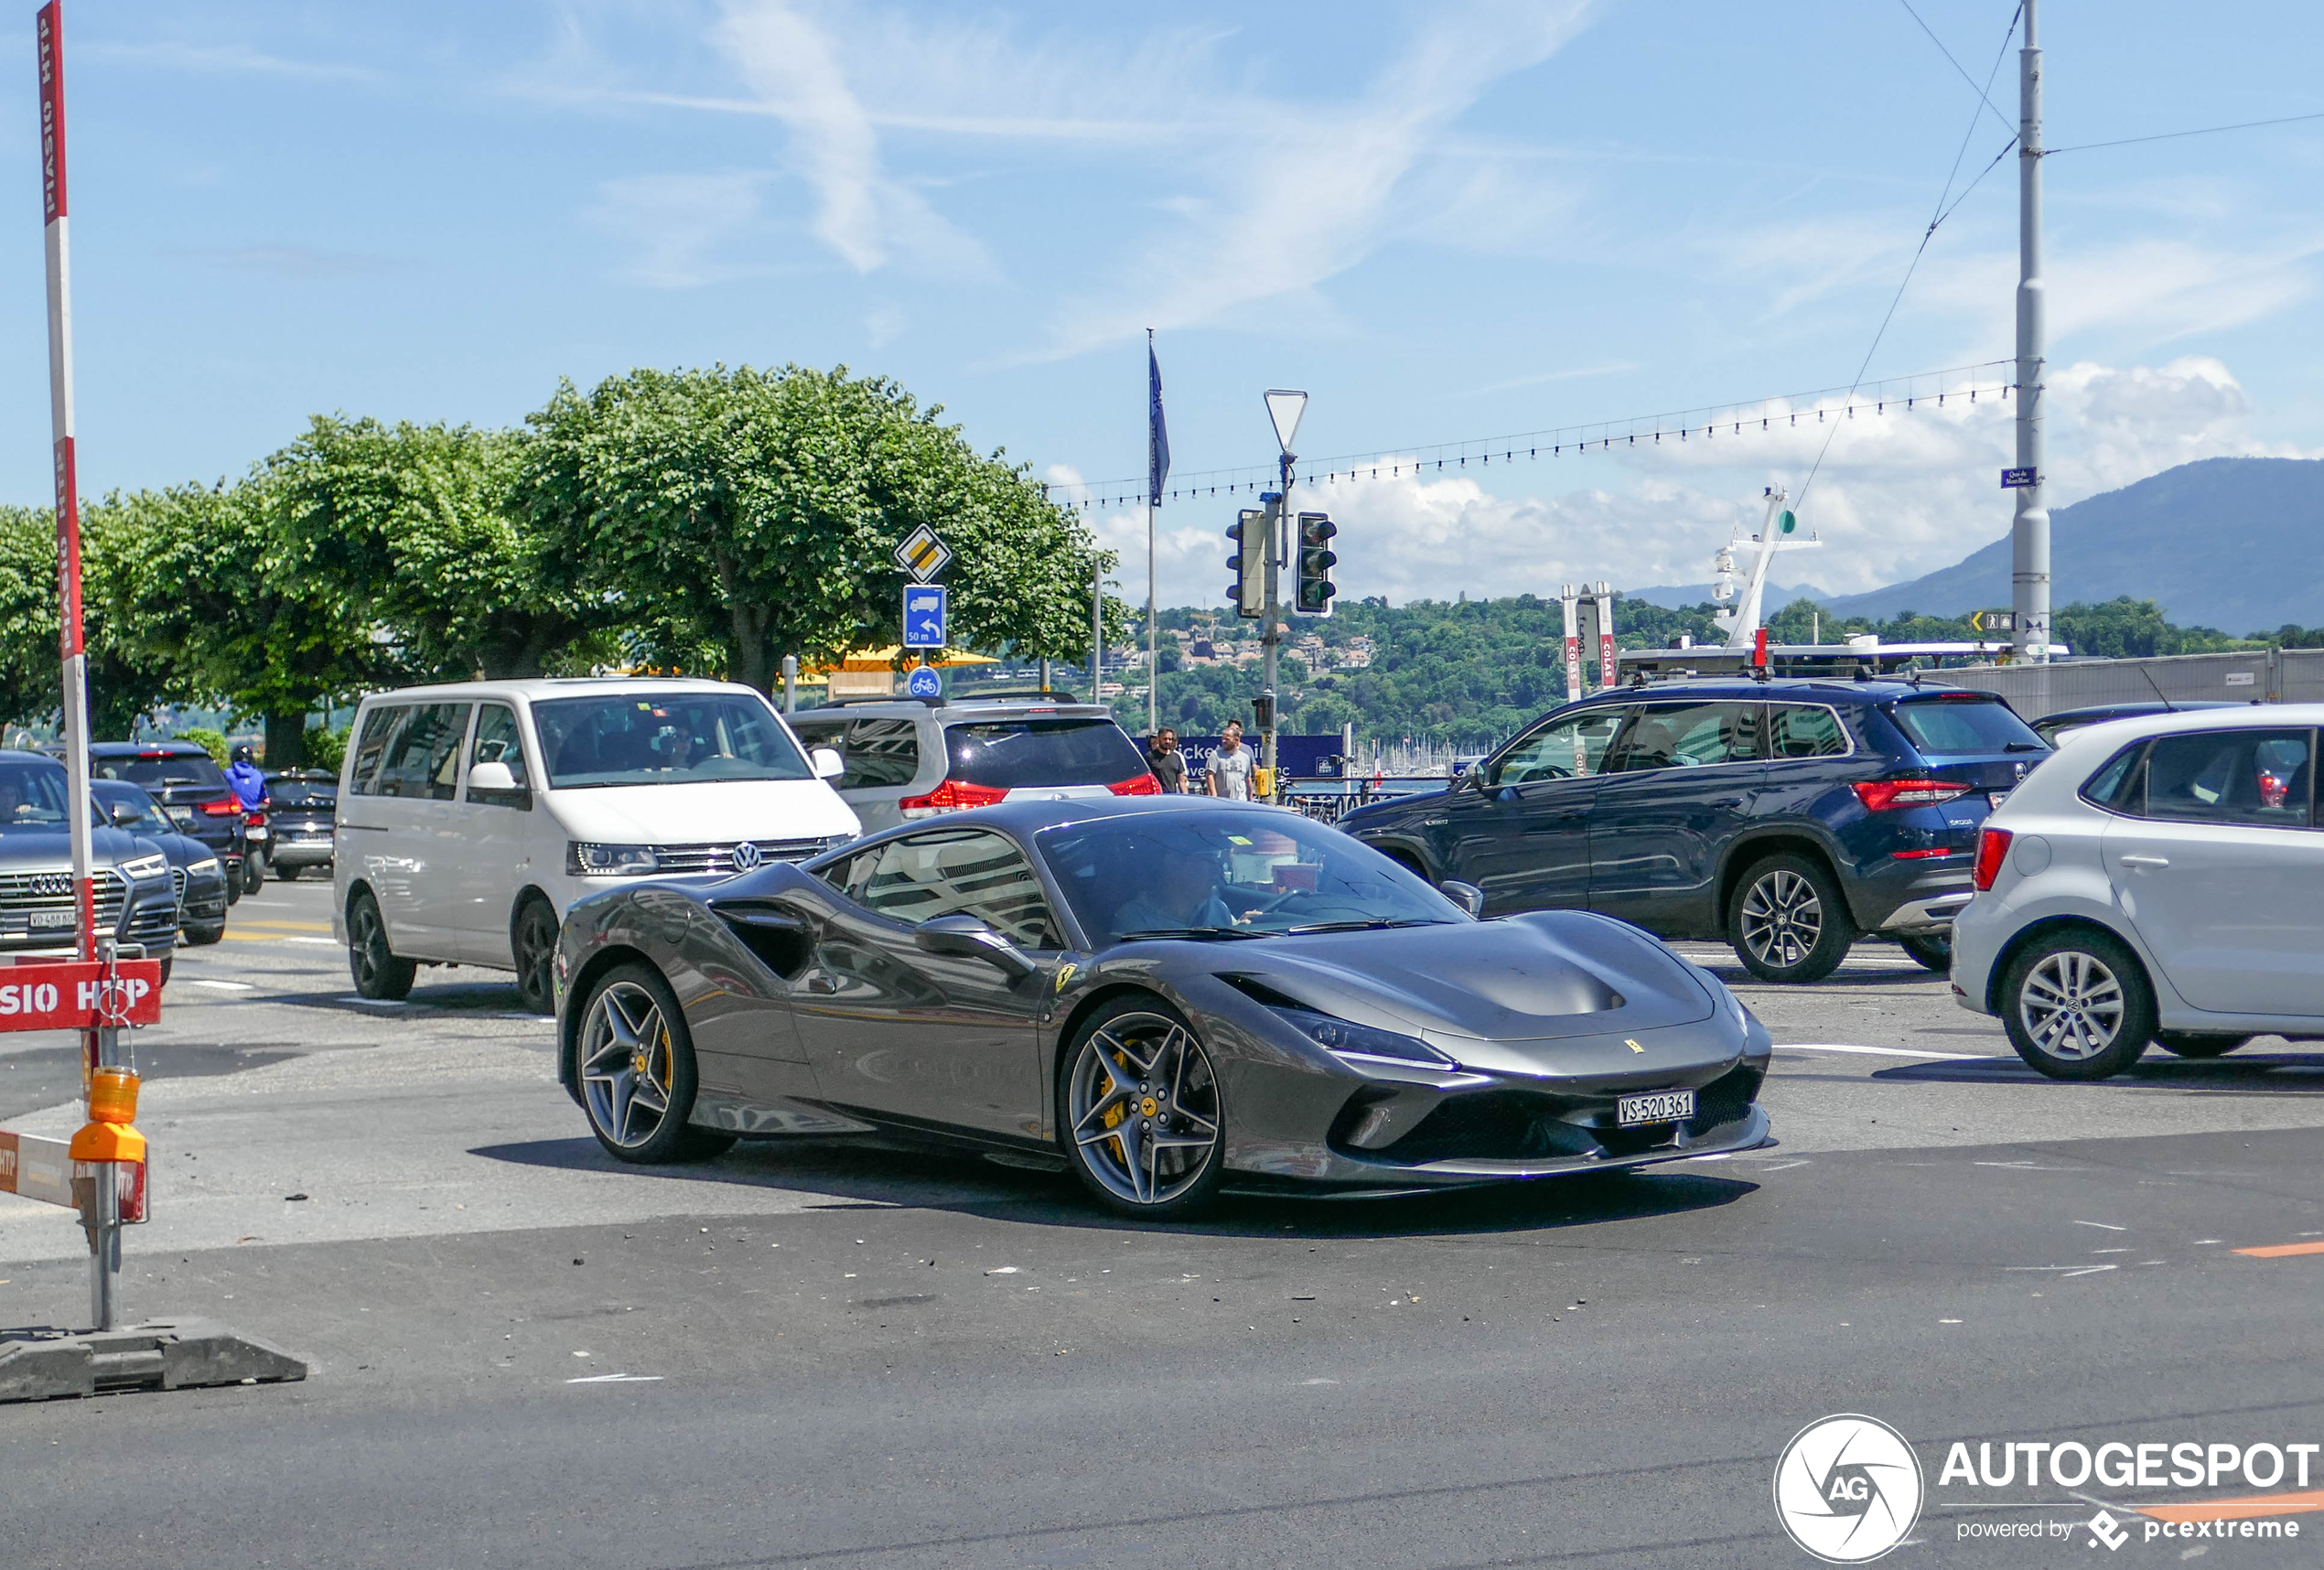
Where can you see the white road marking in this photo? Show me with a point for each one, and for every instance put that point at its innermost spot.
(2065, 1271)
(326, 942)
(614, 1379)
(2104, 1226)
(1888, 1051)
(227, 985)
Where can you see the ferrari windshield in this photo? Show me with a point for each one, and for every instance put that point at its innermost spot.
(661, 738)
(1229, 873)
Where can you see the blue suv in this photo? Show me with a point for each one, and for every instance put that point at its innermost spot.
(1788, 818)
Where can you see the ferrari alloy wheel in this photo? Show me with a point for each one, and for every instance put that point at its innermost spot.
(1790, 921)
(638, 1071)
(1143, 1115)
(2077, 1006)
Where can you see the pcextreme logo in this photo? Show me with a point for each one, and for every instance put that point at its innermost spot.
(1847, 1489)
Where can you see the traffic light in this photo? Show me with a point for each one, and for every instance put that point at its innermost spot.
(1250, 535)
(1263, 712)
(1312, 587)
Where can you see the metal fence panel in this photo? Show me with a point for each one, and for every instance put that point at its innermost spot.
(2035, 691)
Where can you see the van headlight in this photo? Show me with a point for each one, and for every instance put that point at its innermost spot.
(584, 858)
(141, 868)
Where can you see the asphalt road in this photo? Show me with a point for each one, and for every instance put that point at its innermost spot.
(830, 1355)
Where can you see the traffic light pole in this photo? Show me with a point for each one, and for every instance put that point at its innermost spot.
(1270, 638)
(2030, 529)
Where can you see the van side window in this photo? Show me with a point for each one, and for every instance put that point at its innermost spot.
(422, 758)
(379, 728)
(498, 740)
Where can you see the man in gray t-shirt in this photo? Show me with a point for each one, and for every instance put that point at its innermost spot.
(1231, 766)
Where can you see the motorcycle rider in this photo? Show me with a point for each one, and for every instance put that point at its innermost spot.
(248, 781)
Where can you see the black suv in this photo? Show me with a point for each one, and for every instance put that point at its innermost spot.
(1786, 817)
(303, 805)
(190, 788)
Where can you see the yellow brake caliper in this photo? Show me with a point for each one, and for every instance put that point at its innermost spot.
(1114, 1118)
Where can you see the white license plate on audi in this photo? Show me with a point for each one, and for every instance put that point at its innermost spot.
(1660, 1106)
(54, 918)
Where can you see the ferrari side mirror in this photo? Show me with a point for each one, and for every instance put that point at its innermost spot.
(1467, 895)
(964, 937)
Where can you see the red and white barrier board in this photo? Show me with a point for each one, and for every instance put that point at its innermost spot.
(79, 995)
(32, 1167)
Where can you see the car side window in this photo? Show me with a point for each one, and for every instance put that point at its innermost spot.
(380, 727)
(969, 872)
(422, 758)
(1570, 748)
(2120, 787)
(498, 740)
(2262, 778)
(1687, 736)
(1806, 730)
(881, 752)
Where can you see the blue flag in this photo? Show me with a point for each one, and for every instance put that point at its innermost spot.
(1157, 435)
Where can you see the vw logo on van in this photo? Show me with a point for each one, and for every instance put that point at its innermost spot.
(746, 856)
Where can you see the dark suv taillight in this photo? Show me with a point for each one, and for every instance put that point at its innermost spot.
(1880, 795)
(1138, 785)
(1992, 849)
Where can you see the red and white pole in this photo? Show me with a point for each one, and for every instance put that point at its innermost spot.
(103, 1214)
(75, 656)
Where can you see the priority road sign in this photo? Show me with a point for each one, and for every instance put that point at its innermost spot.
(927, 609)
(922, 554)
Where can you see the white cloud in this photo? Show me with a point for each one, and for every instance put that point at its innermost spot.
(1899, 493)
(1292, 194)
(863, 213)
(676, 220)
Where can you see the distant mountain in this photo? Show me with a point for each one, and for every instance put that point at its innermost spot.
(1684, 596)
(2234, 544)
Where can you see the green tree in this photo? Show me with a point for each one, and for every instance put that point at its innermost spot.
(736, 516)
(124, 683)
(206, 589)
(410, 525)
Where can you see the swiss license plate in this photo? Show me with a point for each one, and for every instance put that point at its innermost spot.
(37, 919)
(1659, 1106)
(182, 816)
(1994, 799)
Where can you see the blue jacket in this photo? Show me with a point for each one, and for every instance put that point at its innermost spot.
(249, 782)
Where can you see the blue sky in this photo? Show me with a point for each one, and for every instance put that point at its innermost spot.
(1443, 221)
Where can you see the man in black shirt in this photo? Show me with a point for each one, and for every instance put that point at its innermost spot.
(1166, 763)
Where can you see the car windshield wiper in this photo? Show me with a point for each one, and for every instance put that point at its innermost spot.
(1190, 932)
(1370, 924)
(2025, 747)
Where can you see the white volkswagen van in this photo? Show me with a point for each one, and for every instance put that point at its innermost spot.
(471, 815)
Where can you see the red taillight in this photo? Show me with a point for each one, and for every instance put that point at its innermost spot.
(219, 809)
(951, 796)
(1880, 795)
(1930, 855)
(1141, 785)
(1992, 849)
(255, 821)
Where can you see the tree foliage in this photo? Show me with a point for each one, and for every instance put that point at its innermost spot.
(410, 527)
(736, 516)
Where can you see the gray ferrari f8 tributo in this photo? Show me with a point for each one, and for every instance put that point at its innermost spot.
(1164, 994)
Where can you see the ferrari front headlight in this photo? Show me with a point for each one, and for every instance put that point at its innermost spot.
(1361, 1043)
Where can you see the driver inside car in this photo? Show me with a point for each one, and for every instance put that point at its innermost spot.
(1184, 895)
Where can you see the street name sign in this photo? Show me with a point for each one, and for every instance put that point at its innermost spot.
(2019, 479)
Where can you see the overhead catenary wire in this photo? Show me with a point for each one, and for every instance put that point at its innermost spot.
(1944, 210)
(2174, 135)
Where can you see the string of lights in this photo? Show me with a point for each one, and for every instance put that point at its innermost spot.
(1897, 394)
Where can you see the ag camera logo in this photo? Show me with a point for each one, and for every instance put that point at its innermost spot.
(1847, 1489)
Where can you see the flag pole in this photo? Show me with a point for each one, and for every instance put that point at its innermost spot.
(1157, 469)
